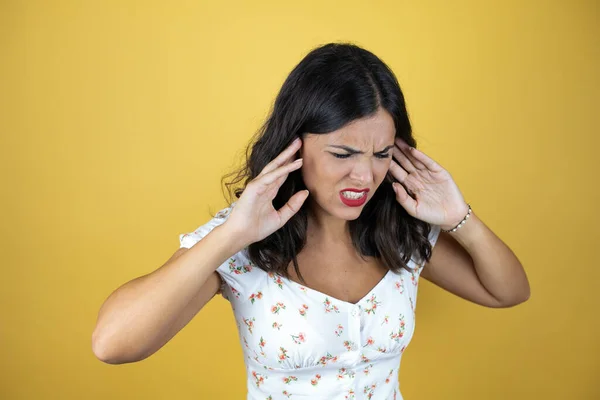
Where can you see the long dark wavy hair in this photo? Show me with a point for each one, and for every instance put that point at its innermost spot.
(333, 85)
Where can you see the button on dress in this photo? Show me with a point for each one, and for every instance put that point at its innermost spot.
(299, 343)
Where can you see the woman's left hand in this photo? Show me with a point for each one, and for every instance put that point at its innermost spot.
(437, 200)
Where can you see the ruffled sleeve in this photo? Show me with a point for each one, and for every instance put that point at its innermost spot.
(434, 233)
(231, 284)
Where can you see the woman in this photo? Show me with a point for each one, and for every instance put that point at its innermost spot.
(321, 254)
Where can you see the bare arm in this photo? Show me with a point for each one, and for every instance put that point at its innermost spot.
(142, 315)
(475, 264)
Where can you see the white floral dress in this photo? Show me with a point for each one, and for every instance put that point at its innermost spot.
(300, 343)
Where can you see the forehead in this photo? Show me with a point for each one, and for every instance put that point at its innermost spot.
(376, 131)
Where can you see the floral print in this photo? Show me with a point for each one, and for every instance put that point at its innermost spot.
(370, 390)
(373, 303)
(249, 323)
(399, 285)
(239, 269)
(255, 296)
(289, 379)
(389, 377)
(262, 344)
(315, 380)
(277, 325)
(330, 307)
(298, 339)
(276, 279)
(278, 306)
(399, 333)
(301, 343)
(302, 310)
(343, 372)
(327, 358)
(258, 378)
(349, 345)
(282, 355)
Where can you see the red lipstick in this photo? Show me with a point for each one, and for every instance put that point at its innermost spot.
(354, 202)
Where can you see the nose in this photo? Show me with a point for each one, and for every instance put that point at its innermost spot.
(362, 172)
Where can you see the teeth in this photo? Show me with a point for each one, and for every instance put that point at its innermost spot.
(353, 195)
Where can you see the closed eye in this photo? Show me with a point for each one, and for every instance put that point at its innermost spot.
(387, 155)
(341, 155)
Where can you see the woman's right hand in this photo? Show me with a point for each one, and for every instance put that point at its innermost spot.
(253, 217)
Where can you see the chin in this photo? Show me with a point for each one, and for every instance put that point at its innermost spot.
(350, 213)
(353, 217)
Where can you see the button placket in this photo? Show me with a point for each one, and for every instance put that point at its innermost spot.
(356, 315)
(354, 328)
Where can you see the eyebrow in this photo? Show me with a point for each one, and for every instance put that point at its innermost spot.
(354, 151)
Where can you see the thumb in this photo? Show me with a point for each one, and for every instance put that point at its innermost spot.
(292, 206)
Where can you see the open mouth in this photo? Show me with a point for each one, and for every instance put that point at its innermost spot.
(354, 197)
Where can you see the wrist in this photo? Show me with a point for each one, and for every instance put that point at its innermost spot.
(234, 237)
(459, 224)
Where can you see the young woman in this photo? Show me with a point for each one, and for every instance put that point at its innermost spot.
(320, 255)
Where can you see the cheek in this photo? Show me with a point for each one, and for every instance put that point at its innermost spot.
(310, 173)
(323, 173)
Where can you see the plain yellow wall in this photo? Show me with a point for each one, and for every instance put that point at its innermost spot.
(118, 118)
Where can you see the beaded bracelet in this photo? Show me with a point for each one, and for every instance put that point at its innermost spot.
(461, 222)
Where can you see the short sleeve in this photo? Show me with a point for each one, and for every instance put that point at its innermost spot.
(187, 240)
(434, 233)
(230, 285)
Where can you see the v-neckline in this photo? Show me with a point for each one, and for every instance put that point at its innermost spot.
(346, 303)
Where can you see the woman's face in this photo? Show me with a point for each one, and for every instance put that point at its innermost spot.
(355, 157)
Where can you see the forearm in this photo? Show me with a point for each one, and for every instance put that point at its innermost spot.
(141, 312)
(497, 267)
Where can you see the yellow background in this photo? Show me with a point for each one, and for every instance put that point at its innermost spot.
(118, 118)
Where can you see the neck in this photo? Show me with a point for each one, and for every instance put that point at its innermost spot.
(325, 229)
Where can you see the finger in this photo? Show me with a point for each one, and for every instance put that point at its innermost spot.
(274, 187)
(403, 160)
(272, 176)
(292, 206)
(398, 172)
(428, 162)
(284, 156)
(408, 152)
(277, 184)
